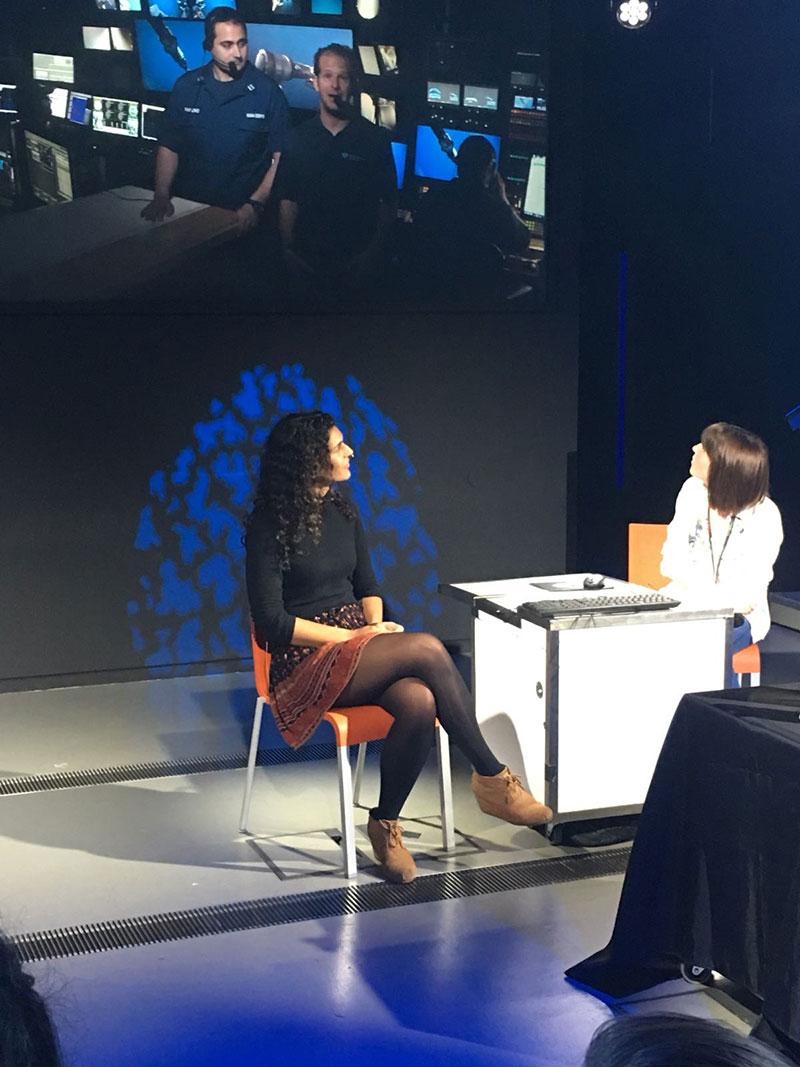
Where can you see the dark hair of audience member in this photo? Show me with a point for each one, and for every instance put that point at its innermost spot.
(675, 1041)
(27, 1036)
(738, 476)
(343, 52)
(215, 17)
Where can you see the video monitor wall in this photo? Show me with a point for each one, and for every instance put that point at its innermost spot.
(435, 151)
(48, 169)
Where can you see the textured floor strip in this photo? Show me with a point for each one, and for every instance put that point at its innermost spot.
(322, 904)
(135, 772)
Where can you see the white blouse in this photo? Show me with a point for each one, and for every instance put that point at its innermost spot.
(731, 568)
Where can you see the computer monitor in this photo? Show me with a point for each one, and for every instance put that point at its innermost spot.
(182, 9)
(79, 109)
(8, 178)
(8, 100)
(448, 93)
(136, 5)
(107, 5)
(399, 152)
(48, 68)
(48, 169)
(268, 43)
(480, 96)
(167, 48)
(115, 116)
(58, 102)
(434, 151)
(369, 60)
(326, 7)
(110, 115)
(284, 7)
(121, 38)
(533, 204)
(387, 54)
(97, 37)
(151, 122)
(524, 103)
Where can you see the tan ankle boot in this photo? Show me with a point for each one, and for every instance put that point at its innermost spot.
(502, 795)
(396, 861)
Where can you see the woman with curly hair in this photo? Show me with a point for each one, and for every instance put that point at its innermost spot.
(27, 1034)
(315, 602)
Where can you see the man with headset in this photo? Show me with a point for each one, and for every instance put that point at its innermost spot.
(223, 130)
(336, 186)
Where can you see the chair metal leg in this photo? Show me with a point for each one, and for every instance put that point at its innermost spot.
(251, 764)
(346, 809)
(362, 752)
(445, 789)
(755, 678)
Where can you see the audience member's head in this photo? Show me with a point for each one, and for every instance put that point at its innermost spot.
(475, 161)
(27, 1036)
(675, 1041)
(738, 475)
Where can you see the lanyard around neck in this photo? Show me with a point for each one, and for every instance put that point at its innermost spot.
(715, 569)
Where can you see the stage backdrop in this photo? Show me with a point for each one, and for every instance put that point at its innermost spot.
(130, 455)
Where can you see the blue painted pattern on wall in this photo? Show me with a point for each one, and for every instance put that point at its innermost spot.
(190, 605)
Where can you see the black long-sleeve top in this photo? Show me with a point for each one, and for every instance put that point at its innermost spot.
(336, 570)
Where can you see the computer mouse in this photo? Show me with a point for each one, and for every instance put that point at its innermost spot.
(594, 581)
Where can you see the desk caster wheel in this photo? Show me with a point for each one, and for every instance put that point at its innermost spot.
(696, 975)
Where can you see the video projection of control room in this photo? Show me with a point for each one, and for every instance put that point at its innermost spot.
(84, 91)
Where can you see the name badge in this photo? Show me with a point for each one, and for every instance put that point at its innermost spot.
(192, 110)
(255, 115)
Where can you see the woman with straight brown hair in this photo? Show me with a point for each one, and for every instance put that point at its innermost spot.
(726, 533)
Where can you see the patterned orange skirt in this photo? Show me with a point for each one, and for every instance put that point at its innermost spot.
(304, 683)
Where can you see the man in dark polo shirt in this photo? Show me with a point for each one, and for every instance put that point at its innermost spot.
(223, 130)
(336, 186)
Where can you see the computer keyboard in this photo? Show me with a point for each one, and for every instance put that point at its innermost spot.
(598, 605)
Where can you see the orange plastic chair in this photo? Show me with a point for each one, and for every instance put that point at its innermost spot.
(645, 542)
(351, 726)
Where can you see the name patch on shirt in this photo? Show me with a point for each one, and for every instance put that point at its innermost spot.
(351, 155)
(192, 110)
(256, 115)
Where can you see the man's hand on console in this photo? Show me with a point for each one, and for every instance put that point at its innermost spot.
(247, 216)
(160, 207)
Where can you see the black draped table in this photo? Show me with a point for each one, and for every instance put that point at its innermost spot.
(714, 874)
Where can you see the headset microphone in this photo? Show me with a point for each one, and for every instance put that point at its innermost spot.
(228, 68)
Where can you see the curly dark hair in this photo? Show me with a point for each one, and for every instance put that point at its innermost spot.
(27, 1035)
(295, 456)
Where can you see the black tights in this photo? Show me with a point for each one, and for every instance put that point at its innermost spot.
(413, 677)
